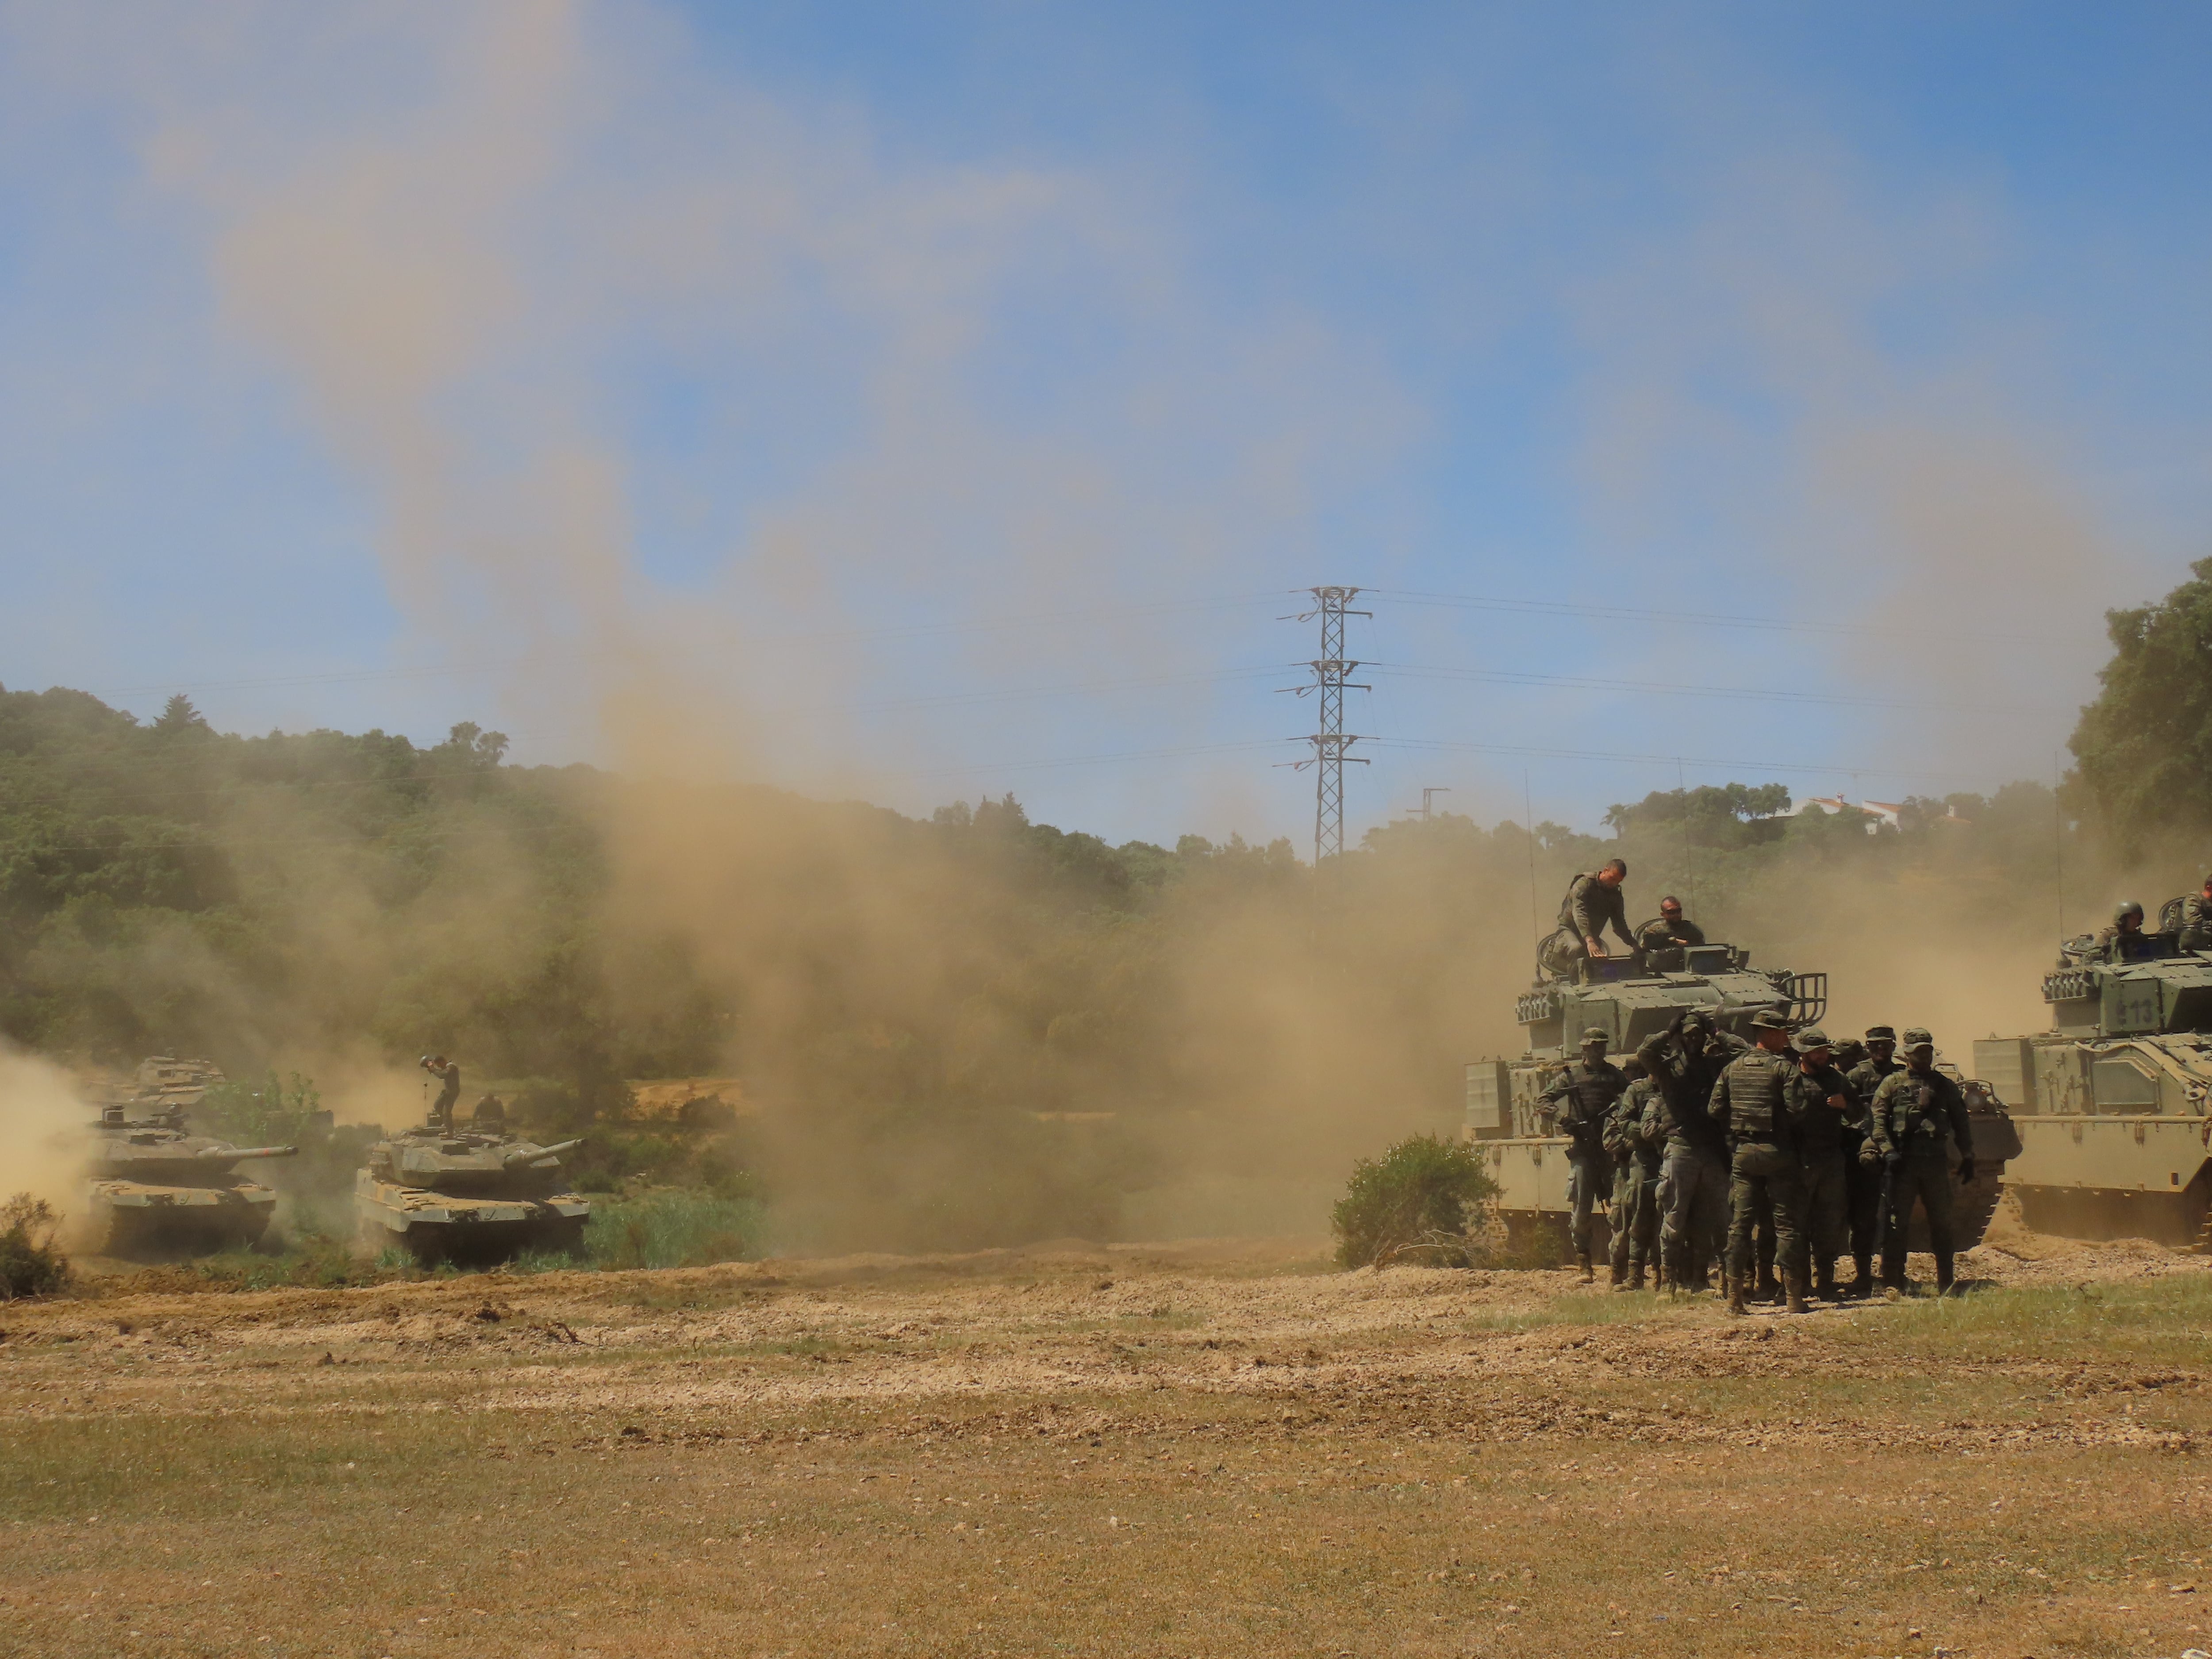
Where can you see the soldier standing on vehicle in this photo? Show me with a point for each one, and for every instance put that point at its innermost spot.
(1683, 1063)
(1635, 1179)
(1575, 1104)
(1822, 1104)
(1751, 1102)
(1915, 1112)
(1864, 1190)
(441, 1112)
(1670, 928)
(1594, 902)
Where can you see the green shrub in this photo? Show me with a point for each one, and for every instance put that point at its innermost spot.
(673, 1229)
(1413, 1203)
(30, 1265)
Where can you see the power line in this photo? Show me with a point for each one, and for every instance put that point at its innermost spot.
(1690, 618)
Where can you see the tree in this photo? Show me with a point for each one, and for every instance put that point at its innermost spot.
(178, 717)
(2143, 749)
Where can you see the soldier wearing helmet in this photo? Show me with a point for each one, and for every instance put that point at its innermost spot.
(2196, 919)
(1577, 1103)
(1670, 929)
(2125, 940)
(1685, 1061)
(1822, 1103)
(1918, 1113)
(1865, 1188)
(1753, 1102)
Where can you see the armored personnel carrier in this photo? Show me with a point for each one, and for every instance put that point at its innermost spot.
(1632, 997)
(157, 1189)
(2111, 1101)
(472, 1193)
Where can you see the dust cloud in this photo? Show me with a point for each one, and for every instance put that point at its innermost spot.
(43, 1118)
(441, 277)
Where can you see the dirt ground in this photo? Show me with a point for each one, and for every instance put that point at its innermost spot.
(1207, 1449)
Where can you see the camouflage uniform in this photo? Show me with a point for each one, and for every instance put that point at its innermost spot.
(2197, 922)
(1575, 1103)
(1863, 1178)
(1752, 1103)
(1636, 1161)
(1821, 1133)
(1692, 1196)
(448, 1097)
(1661, 934)
(1914, 1111)
(1589, 907)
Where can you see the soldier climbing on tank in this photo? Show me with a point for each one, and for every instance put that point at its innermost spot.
(1684, 1062)
(1752, 1103)
(1594, 902)
(2195, 919)
(1575, 1103)
(1636, 1159)
(1915, 1110)
(1670, 930)
(442, 1111)
(1864, 1177)
(2125, 940)
(1822, 1106)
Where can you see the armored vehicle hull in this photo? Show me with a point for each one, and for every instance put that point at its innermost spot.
(1633, 998)
(137, 1218)
(470, 1197)
(2113, 1125)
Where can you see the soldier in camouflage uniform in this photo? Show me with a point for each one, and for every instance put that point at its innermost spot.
(2196, 919)
(1864, 1190)
(2125, 940)
(1753, 1102)
(1915, 1112)
(1822, 1104)
(1635, 1179)
(1684, 1062)
(1575, 1103)
(1594, 903)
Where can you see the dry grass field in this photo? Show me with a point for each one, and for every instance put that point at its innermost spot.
(1202, 1450)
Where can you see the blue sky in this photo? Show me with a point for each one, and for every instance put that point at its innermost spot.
(909, 402)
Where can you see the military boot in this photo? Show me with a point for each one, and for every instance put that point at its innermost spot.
(1620, 1281)
(1636, 1275)
(1583, 1265)
(1946, 1273)
(1863, 1285)
(1794, 1282)
(1734, 1293)
(1765, 1289)
(1824, 1282)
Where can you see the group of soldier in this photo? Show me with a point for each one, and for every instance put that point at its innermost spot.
(1771, 1157)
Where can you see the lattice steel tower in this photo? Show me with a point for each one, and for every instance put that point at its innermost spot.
(1331, 678)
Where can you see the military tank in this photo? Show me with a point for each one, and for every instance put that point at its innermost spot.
(2111, 1102)
(1631, 998)
(157, 1189)
(473, 1194)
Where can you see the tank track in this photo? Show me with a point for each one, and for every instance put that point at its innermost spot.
(1970, 1215)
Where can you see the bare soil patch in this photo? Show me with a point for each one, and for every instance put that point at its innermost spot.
(1203, 1448)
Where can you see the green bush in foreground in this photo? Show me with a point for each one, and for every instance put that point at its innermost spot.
(673, 1229)
(1415, 1203)
(30, 1265)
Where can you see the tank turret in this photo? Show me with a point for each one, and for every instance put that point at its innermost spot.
(475, 1193)
(2111, 1100)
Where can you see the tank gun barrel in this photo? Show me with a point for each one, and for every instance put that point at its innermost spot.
(232, 1154)
(531, 1154)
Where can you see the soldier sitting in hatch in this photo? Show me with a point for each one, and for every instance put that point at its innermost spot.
(2125, 940)
(1594, 902)
(1670, 929)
